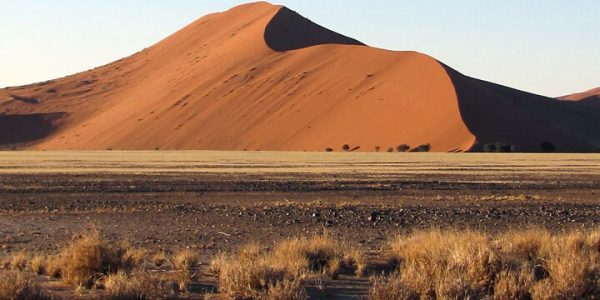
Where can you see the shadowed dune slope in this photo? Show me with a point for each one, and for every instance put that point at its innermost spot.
(261, 77)
(589, 99)
(496, 113)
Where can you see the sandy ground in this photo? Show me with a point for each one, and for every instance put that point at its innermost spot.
(215, 201)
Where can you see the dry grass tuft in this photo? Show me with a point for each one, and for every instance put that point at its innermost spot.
(14, 285)
(516, 265)
(319, 254)
(251, 274)
(53, 266)
(138, 286)
(392, 287)
(255, 278)
(89, 257)
(159, 259)
(19, 261)
(255, 273)
(38, 265)
(184, 262)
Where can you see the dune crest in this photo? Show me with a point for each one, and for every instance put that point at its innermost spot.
(262, 77)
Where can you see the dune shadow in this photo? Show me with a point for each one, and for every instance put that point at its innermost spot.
(591, 102)
(19, 129)
(28, 100)
(289, 31)
(495, 113)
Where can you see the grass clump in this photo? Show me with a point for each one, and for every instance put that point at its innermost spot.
(318, 254)
(255, 273)
(19, 261)
(15, 286)
(138, 286)
(251, 274)
(38, 265)
(531, 264)
(89, 257)
(183, 262)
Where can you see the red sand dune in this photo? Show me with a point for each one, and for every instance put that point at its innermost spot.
(590, 98)
(261, 77)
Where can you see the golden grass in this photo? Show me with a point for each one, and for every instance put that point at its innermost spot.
(515, 265)
(255, 273)
(318, 254)
(39, 265)
(14, 285)
(139, 285)
(252, 276)
(159, 259)
(89, 257)
(184, 263)
(19, 261)
(53, 266)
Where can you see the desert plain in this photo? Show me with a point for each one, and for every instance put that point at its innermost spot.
(213, 202)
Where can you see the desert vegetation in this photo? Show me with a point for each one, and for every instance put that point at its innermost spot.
(498, 147)
(254, 272)
(432, 264)
(403, 148)
(422, 148)
(531, 264)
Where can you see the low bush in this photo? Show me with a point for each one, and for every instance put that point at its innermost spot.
(422, 148)
(403, 148)
(89, 257)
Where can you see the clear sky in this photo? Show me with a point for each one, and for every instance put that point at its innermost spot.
(549, 47)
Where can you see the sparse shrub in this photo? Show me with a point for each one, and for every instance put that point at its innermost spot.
(498, 148)
(329, 150)
(422, 148)
(403, 148)
(89, 257)
(504, 148)
(489, 148)
(390, 149)
(548, 147)
(346, 148)
(377, 148)
(15, 286)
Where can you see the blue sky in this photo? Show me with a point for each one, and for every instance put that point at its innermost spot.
(548, 47)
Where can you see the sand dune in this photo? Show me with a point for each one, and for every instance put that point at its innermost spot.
(582, 96)
(261, 77)
(589, 98)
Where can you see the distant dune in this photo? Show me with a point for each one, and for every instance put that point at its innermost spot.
(590, 98)
(261, 77)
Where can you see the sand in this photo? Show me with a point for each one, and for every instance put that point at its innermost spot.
(261, 77)
(590, 99)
